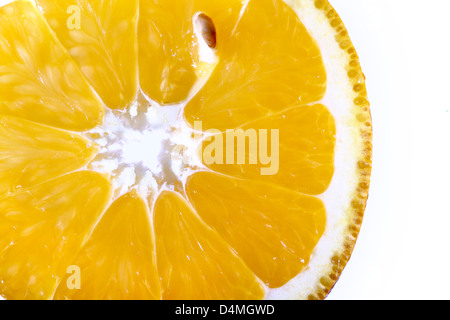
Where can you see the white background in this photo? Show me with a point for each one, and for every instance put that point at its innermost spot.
(403, 251)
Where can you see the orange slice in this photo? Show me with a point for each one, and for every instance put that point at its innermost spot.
(179, 149)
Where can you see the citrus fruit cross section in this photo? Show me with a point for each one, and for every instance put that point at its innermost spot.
(178, 149)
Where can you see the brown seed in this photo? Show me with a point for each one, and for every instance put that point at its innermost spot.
(207, 29)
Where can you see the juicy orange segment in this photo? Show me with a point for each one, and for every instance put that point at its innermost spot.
(165, 62)
(43, 228)
(254, 77)
(168, 47)
(38, 79)
(302, 158)
(194, 262)
(101, 37)
(118, 261)
(273, 230)
(32, 153)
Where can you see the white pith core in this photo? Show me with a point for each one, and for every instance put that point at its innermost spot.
(145, 148)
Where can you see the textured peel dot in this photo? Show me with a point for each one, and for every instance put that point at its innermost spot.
(353, 73)
(361, 117)
(358, 87)
(319, 3)
(344, 44)
(354, 63)
(335, 23)
(326, 282)
(360, 101)
(331, 14)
